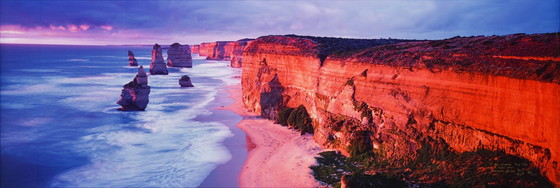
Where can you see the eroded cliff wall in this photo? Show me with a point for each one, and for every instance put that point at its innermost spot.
(195, 49)
(497, 93)
(224, 50)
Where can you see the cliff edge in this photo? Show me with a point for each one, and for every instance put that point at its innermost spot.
(499, 93)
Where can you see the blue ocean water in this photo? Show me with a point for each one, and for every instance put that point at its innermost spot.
(60, 126)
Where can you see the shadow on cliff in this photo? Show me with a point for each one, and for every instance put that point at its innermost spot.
(219, 51)
(271, 97)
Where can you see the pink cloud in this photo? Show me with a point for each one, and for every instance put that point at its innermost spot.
(107, 27)
(84, 27)
(73, 28)
(11, 29)
(57, 27)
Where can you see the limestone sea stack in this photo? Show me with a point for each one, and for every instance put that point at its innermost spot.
(135, 94)
(158, 64)
(179, 56)
(185, 81)
(131, 60)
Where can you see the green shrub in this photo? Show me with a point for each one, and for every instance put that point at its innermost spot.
(360, 144)
(330, 168)
(283, 115)
(296, 118)
(299, 119)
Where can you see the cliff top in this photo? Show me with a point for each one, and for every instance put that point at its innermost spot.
(535, 57)
(320, 46)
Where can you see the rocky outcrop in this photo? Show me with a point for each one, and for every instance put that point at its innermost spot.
(131, 60)
(135, 94)
(158, 64)
(179, 56)
(185, 81)
(465, 93)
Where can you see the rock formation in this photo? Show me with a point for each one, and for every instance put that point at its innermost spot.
(179, 56)
(135, 94)
(158, 64)
(216, 50)
(463, 94)
(131, 60)
(185, 81)
(224, 50)
(236, 54)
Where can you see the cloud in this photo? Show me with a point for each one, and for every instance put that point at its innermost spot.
(193, 21)
(107, 27)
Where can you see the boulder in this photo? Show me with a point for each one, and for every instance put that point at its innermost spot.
(135, 94)
(131, 60)
(185, 81)
(158, 64)
(179, 56)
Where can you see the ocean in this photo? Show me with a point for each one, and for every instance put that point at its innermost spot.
(60, 126)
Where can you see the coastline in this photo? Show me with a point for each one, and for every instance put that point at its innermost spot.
(277, 156)
(226, 174)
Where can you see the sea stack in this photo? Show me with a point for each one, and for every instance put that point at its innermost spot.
(185, 81)
(131, 60)
(179, 56)
(135, 94)
(158, 64)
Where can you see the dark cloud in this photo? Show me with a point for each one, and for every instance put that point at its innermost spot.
(365, 19)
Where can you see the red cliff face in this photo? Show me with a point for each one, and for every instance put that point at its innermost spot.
(497, 93)
(236, 54)
(219, 50)
(224, 50)
(195, 49)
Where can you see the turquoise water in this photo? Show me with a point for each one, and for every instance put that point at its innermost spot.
(60, 126)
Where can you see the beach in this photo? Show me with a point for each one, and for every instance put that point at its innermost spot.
(277, 155)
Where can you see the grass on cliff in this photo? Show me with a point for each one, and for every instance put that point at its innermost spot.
(480, 168)
(332, 166)
(296, 118)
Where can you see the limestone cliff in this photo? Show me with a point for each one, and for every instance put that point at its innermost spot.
(237, 52)
(224, 50)
(158, 64)
(135, 94)
(179, 56)
(464, 93)
(195, 49)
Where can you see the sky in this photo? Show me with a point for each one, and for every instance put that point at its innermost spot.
(114, 22)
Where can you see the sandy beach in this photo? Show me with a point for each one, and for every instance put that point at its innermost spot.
(278, 156)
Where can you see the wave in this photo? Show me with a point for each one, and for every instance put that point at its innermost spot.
(163, 146)
(77, 60)
(173, 152)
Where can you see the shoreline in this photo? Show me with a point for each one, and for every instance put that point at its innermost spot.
(277, 156)
(226, 174)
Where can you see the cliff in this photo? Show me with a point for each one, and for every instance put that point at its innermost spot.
(195, 49)
(403, 97)
(224, 50)
(179, 56)
(157, 66)
(135, 94)
(236, 56)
